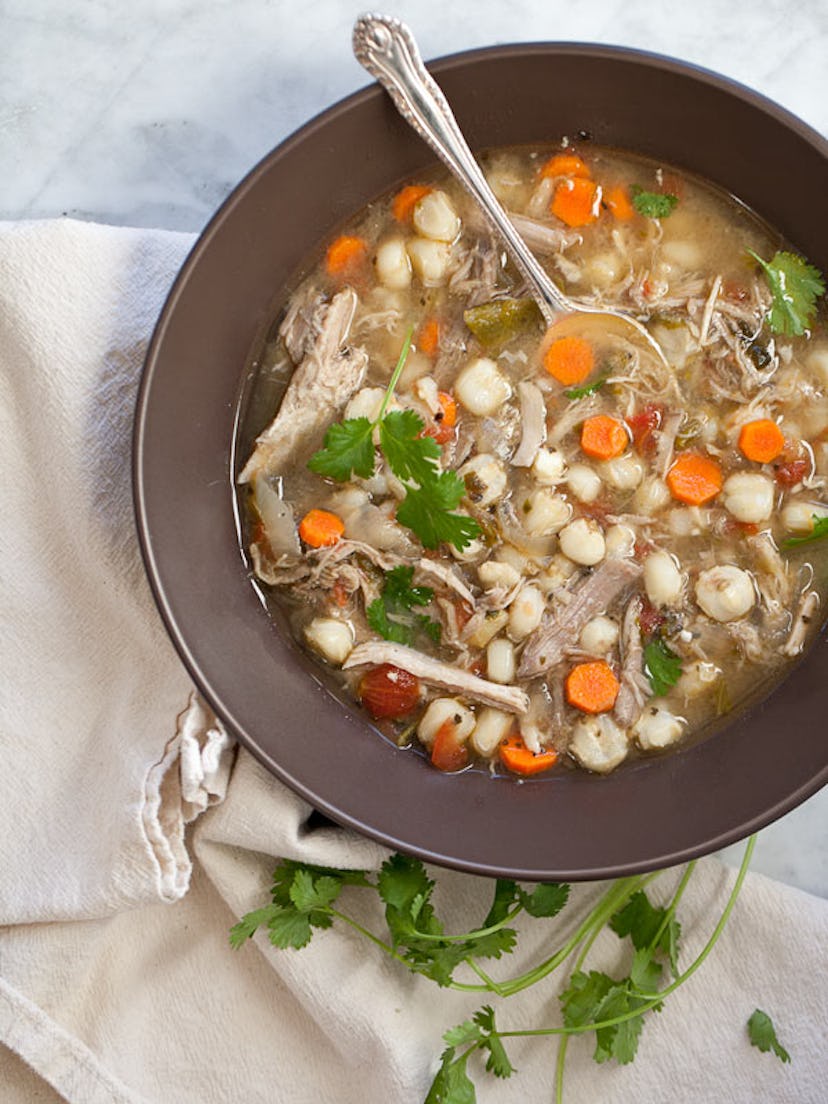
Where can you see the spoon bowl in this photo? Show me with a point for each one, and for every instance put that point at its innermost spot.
(386, 48)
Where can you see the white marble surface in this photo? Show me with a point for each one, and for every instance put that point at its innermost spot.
(148, 113)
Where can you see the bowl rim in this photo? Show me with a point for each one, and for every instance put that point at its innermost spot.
(325, 117)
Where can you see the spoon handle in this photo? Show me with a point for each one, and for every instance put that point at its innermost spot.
(386, 48)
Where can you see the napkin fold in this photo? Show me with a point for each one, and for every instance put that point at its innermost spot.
(133, 834)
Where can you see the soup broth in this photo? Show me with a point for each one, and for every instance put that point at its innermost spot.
(530, 548)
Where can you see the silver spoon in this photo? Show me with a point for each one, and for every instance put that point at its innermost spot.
(387, 49)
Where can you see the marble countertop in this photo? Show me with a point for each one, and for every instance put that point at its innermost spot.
(148, 115)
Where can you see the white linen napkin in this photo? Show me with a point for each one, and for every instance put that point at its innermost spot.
(117, 983)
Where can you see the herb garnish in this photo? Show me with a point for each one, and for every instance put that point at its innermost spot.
(662, 666)
(573, 393)
(431, 495)
(654, 205)
(392, 616)
(819, 532)
(762, 1034)
(796, 286)
(304, 898)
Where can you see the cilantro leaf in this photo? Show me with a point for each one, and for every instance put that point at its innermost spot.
(795, 286)
(573, 393)
(762, 1034)
(662, 665)
(819, 531)
(498, 1061)
(288, 927)
(546, 899)
(391, 614)
(653, 205)
(620, 1041)
(645, 974)
(427, 510)
(409, 455)
(493, 945)
(639, 920)
(466, 1032)
(349, 448)
(401, 880)
(451, 1084)
(307, 894)
(248, 925)
(505, 895)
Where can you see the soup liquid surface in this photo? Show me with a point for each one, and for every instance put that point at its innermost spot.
(630, 583)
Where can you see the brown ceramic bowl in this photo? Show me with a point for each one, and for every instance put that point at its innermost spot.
(651, 813)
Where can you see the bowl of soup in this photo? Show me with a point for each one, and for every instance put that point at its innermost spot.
(528, 601)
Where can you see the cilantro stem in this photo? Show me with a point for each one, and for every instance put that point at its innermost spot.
(671, 908)
(395, 376)
(477, 934)
(375, 939)
(618, 893)
(653, 998)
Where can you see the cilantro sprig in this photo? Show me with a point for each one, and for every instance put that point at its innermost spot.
(819, 532)
(796, 286)
(654, 205)
(762, 1035)
(573, 393)
(610, 1009)
(392, 614)
(431, 496)
(661, 665)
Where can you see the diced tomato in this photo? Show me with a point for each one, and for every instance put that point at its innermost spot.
(643, 425)
(649, 619)
(448, 752)
(440, 431)
(339, 593)
(791, 472)
(389, 692)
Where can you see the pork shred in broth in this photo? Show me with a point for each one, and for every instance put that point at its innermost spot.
(627, 577)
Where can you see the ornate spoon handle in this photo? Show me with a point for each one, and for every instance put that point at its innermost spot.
(386, 48)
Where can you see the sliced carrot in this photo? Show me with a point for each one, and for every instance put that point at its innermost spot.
(405, 201)
(428, 339)
(345, 255)
(566, 164)
(449, 752)
(603, 437)
(517, 757)
(592, 687)
(761, 440)
(569, 360)
(694, 479)
(319, 528)
(618, 201)
(449, 408)
(576, 201)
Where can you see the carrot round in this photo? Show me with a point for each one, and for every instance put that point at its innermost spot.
(517, 757)
(592, 687)
(761, 440)
(448, 752)
(449, 409)
(406, 200)
(694, 479)
(603, 437)
(319, 528)
(345, 254)
(566, 164)
(428, 339)
(576, 201)
(569, 360)
(618, 201)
